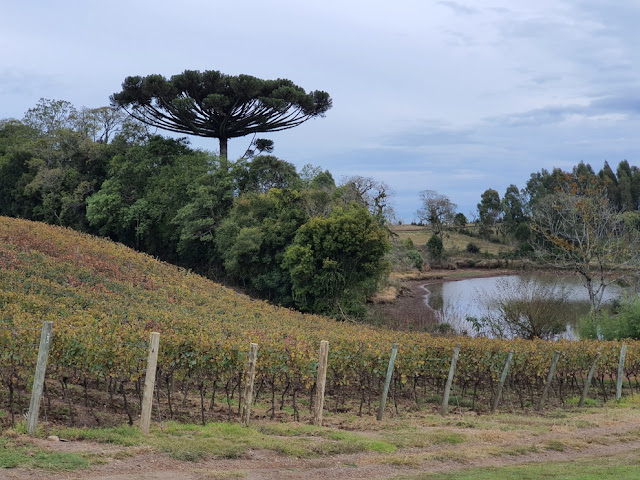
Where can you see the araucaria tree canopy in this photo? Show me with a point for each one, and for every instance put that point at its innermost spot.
(212, 104)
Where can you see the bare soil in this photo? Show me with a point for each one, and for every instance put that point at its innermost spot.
(409, 311)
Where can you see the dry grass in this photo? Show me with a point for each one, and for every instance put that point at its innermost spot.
(452, 241)
(386, 295)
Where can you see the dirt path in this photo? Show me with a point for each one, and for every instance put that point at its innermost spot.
(266, 465)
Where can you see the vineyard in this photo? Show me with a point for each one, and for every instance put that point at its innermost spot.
(105, 299)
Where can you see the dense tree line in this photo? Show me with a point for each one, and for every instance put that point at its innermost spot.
(295, 238)
(508, 219)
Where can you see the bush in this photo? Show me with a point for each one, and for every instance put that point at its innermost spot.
(435, 248)
(526, 309)
(416, 258)
(472, 248)
(622, 322)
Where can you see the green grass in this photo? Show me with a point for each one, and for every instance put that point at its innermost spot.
(16, 454)
(229, 440)
(589, 402)
(615, 467)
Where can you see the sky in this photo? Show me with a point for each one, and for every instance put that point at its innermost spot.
(452, 96)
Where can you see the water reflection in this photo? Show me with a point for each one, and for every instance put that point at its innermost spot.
(456, 301)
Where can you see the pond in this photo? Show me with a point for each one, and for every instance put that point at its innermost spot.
(456, 301)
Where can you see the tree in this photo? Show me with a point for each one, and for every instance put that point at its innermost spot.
(103, 123)
(212, 104)
(460, 221)
(336, 262)
(51, 115)
(435, 248)
(623, 321)
(146, 188)
(580, 229)
(514, 206)
(436, 209)
(210, 200)
(610, 182)
(489, 210)
(371, 194)
(252, 240)
(526, 309)
(264, 172)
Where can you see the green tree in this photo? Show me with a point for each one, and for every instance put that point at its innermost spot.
(460, 221)
(435, 248)
(212, 104)
(335, 262)
(489, 210)
(622, 322)
(625, 187)
(66, 166)
(15, 171)
(252, 240)
(264, 172)
(514, 207)
(210, 198)
(610, 182)
(49, 116)
(145, 189)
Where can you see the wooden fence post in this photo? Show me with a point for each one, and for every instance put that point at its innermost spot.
(248, 388)
(149, 382)
(447, 388)
(321, 382)
(545, 392)
(38, 379)
(623, 353)
(587, 384)
(503, 378)
(387, 382)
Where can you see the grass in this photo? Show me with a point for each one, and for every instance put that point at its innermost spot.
(415, 441)
(452, 240)
(619, 467)
(231, 440)
(16, 453)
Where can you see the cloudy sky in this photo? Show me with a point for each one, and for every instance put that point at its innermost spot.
(453, 96)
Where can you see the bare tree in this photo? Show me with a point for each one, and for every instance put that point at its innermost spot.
(526, 309)
(372, 194)
(436, 209)
(579, 229)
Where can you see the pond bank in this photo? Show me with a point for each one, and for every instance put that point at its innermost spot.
(407, 310)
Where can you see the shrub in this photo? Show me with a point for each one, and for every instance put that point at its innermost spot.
(526, 309)
(435, 248)
(472, 248)
(416, 258)
(622, 322)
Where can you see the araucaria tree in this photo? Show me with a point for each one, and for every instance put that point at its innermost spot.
(212, 104)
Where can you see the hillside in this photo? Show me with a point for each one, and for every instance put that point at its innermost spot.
(105, 299)
(452, 241)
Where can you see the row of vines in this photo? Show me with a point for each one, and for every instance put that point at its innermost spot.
(105, 299)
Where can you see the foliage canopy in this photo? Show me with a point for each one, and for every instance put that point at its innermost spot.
(213, 104)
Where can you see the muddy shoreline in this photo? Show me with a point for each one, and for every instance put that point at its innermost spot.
(408, 311)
